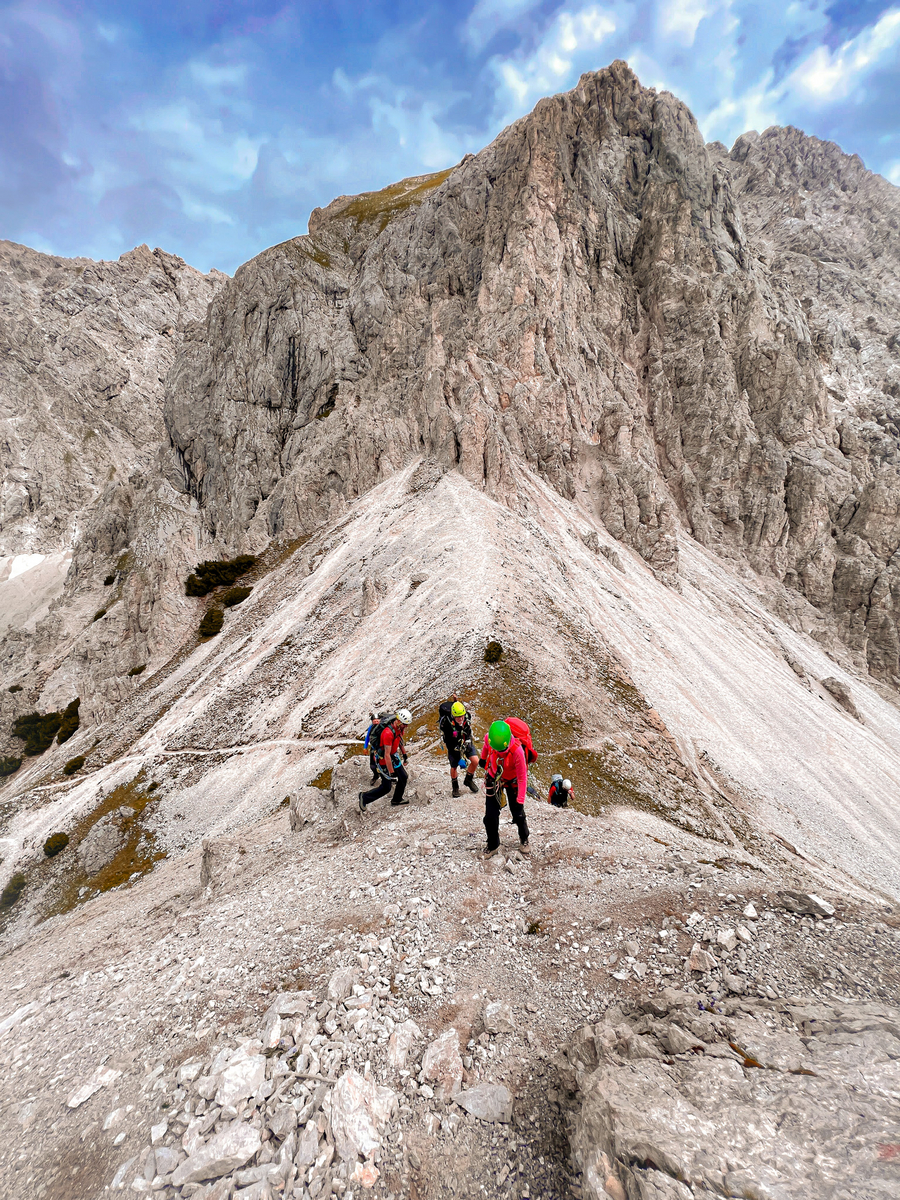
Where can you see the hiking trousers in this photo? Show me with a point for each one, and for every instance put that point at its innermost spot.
(385, 786)
(492, 812)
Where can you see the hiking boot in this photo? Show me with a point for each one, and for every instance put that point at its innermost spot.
(399, 803)
(456, 793)
(491, 853)
(362, 803)
(524, 847)
(470, 783)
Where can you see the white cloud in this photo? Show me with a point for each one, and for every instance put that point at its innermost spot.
(213, 77)
(198, 148)
(569, 46)
(490, 16)
(826, 75)
(679, 19)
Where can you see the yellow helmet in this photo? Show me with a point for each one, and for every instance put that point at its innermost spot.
(458, 709)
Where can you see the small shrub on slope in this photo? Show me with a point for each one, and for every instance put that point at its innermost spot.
(211, 623)
(212, 574)
(55, 844)
(70, 721)
(37, 731)
(236, 595)
(12, 891)
(9, 765)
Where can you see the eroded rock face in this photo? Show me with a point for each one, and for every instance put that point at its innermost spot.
(84, 347)
(84, 350)
(646, 320)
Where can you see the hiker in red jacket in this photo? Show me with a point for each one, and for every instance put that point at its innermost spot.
(506, 771)
(390, 757)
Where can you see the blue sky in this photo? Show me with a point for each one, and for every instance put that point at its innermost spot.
(213, 128)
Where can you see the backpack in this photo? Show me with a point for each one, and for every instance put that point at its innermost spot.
(376, 729)
(445, 719)
(523, 733)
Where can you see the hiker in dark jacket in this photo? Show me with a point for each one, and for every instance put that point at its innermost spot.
(456, 729)
(560, 792)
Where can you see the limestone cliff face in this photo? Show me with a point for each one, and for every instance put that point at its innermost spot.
(640, 317)
(84, 350)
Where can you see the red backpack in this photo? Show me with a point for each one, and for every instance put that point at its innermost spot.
(523, 733)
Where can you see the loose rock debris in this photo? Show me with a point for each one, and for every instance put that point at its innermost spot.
(370, 1009)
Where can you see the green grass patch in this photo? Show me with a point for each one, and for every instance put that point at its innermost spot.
(136, 857)
(323, 779)
(382, 207)
(73, 765)
(16, 687)
(101, 612)
(9, 764)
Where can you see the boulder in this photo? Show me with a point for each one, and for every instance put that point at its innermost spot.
(400, 1044)
(226, 1151)
(241, 1080)
(498, 1017)
(487, 1101)
(104, 840)
(443, 1066)
(221, 860)
(805, 904)
(842, 694)
(359, 1111)
(341, 983)
(306, 807)
(701, 960)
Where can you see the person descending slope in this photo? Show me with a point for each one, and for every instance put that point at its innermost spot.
(505, 771)
(390, 757)
(560, 792)
(455, 725)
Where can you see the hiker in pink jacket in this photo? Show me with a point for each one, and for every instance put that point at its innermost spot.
(505, 771)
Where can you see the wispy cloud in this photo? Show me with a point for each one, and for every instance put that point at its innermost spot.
(215, 135)
(827, 76)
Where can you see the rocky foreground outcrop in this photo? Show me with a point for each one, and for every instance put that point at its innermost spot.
(684, 1097)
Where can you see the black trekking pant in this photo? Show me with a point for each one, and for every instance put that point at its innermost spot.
(492, 811)
(385, 786)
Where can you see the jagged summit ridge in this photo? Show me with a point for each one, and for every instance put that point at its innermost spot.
(599, 294)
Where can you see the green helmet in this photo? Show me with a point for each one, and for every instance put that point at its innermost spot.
(458, 710)
(499, 736)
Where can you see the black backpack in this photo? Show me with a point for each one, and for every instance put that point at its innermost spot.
(373, 736)
(446, 725)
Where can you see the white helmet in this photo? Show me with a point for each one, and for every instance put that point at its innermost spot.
(567, 785)
(404, 716)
